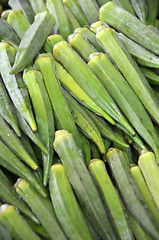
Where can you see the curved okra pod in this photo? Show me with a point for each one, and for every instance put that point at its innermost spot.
(67, 80)
(77, 11)
(7, 53)
(45, 64)
(16, 225)
(125, 97)
(18, 21)
(82, 184)
(44, 116)
(130, 25)
(9, 195)
(130, 193)
(150, 171)
(56, 8)
(42, 208)
(142, 56)
(33, 40)
(131, 71)
(63, 199)
(7, 32)
(84, 122)
(144, 190)
(6, 110)
(88, 81)
(111, 198)
(24, 6)
(9, 161)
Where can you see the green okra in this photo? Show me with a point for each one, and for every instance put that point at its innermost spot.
(7, 32)
(42, 208)
(81, 45)
(150, 171)
(18, 21)
(67, 80)
(90, 9)
(34, 136)
(72, 20)
(94, 27)
(12, 141)
(24, 6)
(29, 148)
(152, 77)
(44, 116)
(38, 228)
(5, 14)
(126, 151)
(86, 147)
(4, 233)
(38, 6)
(77, 11)
(82, 184)
(51, 41)
(6, 110)
(95, 153)
(90, 37)
(102, 2)
(105, 129)
(9, 195)
(146, 194)
(125, 4)
(10, 161)
(33, 40)
(125, 97)
(84, 122)
(7, 52)
(140, 8)
(129, 25)
(152, 9)
(131, 71)
(66, 207)
(138, 232)
(142, 56)
(45, 63)
(130, 193)
(88, 81)
(15, 224)
(111, 198)
(56, 8)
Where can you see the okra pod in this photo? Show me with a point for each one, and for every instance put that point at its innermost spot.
(30, 44)
(15, 224)
(42, 208)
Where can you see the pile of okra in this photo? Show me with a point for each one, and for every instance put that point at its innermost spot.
(79, 120)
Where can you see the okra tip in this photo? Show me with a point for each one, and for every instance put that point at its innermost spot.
(94, 161)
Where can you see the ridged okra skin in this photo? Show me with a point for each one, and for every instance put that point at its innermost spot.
(83, 184)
